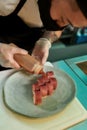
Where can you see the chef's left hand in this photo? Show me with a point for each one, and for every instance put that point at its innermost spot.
(41, 50)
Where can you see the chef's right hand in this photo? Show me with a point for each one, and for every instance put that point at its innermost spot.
(7, 52)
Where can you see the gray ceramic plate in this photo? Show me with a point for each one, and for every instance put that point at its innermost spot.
(18, 94)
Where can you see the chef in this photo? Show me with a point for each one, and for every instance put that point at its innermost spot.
(33, 25)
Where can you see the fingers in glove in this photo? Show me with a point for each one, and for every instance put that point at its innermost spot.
(6, 49)
(9, 62)
(18, 50)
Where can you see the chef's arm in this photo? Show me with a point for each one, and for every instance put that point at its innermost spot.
(52, 36)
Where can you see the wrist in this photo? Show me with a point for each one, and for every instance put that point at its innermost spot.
(50, 35)
(44, 41)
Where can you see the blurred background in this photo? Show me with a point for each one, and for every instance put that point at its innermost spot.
(72, 43)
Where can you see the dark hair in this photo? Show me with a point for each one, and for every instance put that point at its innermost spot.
(83, 6)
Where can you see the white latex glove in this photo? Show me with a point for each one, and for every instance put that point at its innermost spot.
(41, 50)
(7, 52)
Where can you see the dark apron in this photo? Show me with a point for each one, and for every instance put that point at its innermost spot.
(14, 30)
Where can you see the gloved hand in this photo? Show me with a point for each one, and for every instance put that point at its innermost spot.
(41, 50)
(7, 52)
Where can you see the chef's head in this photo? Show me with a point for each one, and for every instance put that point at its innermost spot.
(72, 12)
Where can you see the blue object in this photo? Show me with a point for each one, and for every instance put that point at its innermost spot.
(81, 35)
(81, 93)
